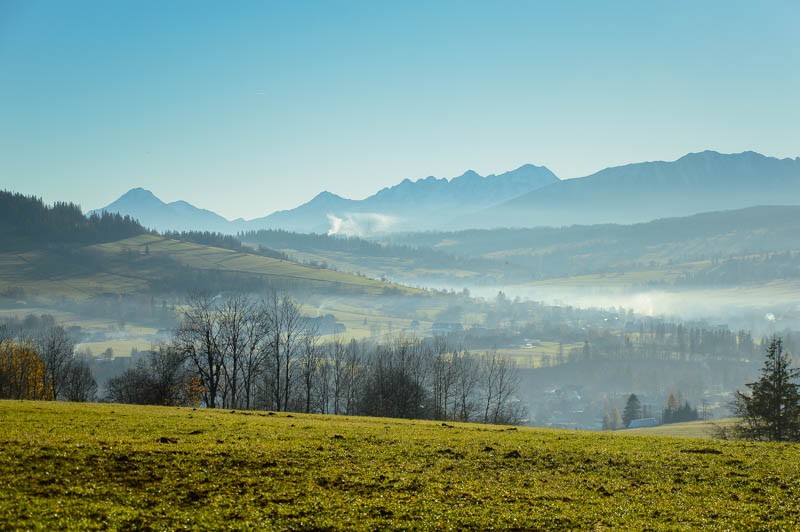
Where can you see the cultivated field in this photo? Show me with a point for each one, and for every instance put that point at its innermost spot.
(104, 466)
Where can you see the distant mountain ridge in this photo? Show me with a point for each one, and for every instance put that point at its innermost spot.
(410, 205)
(143, 205)
(406, 206)
(470, 187)
(530, 196)
(697, 182)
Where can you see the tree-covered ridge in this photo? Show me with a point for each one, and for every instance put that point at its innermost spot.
(741, 231)
(726, 248)
(364, 252)
(61, 222)
(221, 240)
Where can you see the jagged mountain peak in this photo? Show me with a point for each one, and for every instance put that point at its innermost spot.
(469, 174)
(640, 192)
(528, 196)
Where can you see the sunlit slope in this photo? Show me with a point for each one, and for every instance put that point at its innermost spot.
(691, 429)
(66, 466)
(130, 265)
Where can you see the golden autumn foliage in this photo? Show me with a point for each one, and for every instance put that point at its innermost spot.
(193, 391)
(22, 372)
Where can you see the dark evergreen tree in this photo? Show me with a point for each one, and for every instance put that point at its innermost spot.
(633, 410)
(686, 413)
(675, 413)
(771, 411)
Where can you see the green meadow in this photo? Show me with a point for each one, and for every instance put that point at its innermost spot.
(126, 266)
(690, 429)
(106, 466)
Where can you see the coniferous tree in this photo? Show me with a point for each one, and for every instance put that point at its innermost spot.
(675, 413)
(771, 411)
(670, 412)
(633, 410)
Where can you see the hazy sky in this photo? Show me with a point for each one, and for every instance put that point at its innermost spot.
(250, 107)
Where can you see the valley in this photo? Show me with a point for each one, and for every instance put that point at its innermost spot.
(556, 302)
(328, 265)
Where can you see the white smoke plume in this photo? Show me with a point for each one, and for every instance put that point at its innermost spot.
(360, 224)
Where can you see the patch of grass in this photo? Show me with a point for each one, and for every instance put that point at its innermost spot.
(119, 347)
(692, 429)
(102, 466)
(531, 357)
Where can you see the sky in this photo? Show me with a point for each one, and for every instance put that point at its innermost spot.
(249, 107)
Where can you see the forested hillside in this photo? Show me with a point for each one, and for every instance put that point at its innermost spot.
(27, 221)
(720, 248)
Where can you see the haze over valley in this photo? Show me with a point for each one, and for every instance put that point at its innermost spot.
(679, 296)
(351, 265)
(638, 236)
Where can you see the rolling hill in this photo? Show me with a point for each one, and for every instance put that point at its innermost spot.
(726, 247)
(57, 251)
(154, 264)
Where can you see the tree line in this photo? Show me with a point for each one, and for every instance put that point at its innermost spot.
(237, 352)
(673, 412)
(363, 251)
(44, 367)
(62, 222)
(222, 240)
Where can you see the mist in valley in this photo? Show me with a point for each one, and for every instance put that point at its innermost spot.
(578, 347)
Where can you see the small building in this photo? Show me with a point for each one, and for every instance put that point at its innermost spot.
(644, 422)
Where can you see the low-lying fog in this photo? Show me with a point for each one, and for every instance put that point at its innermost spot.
(762, 310)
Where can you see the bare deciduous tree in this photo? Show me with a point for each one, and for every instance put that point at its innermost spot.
(79, 384)
(160, 379)
(57, 351)
(309, 360)
(198, 338)
(284, 325)
(235, 316)
(258, 332)
(500, 380)
(442, 378)
(467, 377)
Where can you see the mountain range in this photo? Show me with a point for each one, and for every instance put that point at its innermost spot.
(410, 205)
(529, 196)
(153, 213)
(695, 183)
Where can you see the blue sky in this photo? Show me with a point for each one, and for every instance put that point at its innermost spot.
(250, 107)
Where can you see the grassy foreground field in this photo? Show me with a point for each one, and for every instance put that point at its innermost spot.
(104, 466)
